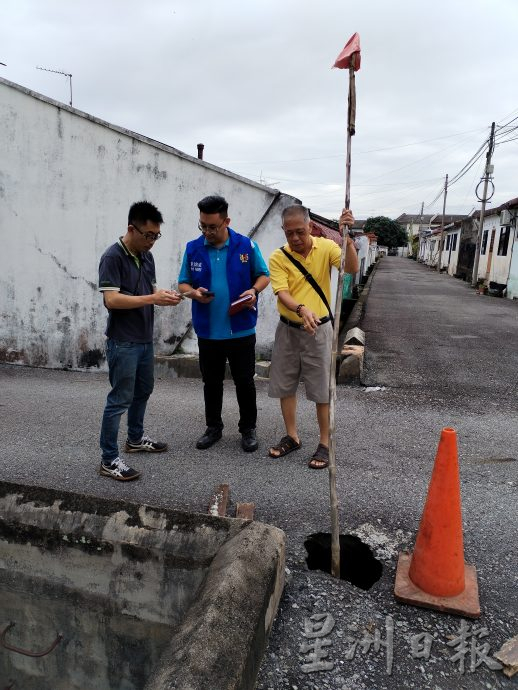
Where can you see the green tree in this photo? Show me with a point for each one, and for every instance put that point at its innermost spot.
(390, 233)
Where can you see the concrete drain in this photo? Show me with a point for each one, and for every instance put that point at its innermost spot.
(357, 563)
(120, 596)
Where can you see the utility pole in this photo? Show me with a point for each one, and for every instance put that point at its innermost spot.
(441, 238)
(419, 232)
(65, 74)
(487, 174)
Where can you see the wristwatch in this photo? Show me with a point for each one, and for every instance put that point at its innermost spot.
(256, 291)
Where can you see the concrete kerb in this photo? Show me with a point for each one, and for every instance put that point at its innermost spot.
(351, 356)
(235, 569)
(356, 315)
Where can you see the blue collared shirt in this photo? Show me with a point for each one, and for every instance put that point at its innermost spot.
(220, 328)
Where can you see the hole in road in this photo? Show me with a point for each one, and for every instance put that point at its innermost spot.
(357, 563)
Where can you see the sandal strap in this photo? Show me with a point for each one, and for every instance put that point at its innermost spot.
(285, 446)
(321, 454)
(286, 443)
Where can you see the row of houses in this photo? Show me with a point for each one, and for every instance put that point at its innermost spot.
(498, 252)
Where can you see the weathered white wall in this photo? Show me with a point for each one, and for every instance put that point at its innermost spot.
(490, 224)
(67, 181)
(512, 281)
(450, 257)
(431, 255)
(501, 264)
(373, 253)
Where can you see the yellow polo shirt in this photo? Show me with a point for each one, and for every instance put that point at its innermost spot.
(285, 276)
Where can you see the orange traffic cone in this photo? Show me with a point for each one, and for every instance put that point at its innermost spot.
(435, 576)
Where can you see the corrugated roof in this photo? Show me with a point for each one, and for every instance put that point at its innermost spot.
(321, 230)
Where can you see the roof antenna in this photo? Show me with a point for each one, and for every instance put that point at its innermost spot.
(65, 74)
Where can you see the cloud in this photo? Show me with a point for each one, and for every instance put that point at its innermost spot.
(252, 81)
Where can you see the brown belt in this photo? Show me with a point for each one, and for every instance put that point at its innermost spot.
(296, 324)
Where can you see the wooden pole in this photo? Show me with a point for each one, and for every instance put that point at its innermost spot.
(333, 496)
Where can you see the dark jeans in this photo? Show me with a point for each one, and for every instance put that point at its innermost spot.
(131, 371)
(240, 353)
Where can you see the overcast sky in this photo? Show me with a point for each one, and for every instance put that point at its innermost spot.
(251, 79)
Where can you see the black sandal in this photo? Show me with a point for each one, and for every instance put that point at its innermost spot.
(286, 445)
(320, 458)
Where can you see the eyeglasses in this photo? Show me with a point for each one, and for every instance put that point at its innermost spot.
(210, 228)
(148, 235)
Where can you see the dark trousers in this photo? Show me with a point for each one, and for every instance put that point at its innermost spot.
(240, 353)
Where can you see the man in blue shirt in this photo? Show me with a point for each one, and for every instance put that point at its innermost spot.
(128, 284)
(219, 267)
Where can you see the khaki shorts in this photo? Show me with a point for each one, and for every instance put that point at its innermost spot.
(298, 356)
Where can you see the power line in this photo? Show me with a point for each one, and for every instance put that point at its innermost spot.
(469, 164)
(504, 133)
(508, 123)
(458, 176)
(488, 170)
(471, 185)
(419, 160)
(423, 141)
(362, 195)
(439, 194)
(509, 114)
(342, 155)
(506, 140)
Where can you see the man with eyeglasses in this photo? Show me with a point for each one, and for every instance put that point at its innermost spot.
(219, 267)
(128, 284)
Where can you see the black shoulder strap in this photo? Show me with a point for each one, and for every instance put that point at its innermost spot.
(307, 275)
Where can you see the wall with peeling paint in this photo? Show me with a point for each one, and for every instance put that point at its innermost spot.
(67, 180)
(500, 265)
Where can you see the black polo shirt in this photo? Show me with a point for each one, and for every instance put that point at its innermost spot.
(130, 275)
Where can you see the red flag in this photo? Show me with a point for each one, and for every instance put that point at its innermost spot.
(352, 48)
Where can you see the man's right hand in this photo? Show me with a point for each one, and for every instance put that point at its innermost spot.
(199, 295)
(310, 320)
(346, 218)
(166, 298)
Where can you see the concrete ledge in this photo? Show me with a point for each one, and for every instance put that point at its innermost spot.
(221, 641)
(262, 369)
(177, 366)
(187, 366)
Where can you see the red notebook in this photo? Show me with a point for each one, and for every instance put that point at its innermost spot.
(240, 304)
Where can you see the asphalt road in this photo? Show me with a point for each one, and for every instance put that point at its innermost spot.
(446, 357)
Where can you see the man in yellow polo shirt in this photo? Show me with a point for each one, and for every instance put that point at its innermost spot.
(302, 347)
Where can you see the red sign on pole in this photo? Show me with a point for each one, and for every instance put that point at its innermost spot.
(352, 47)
